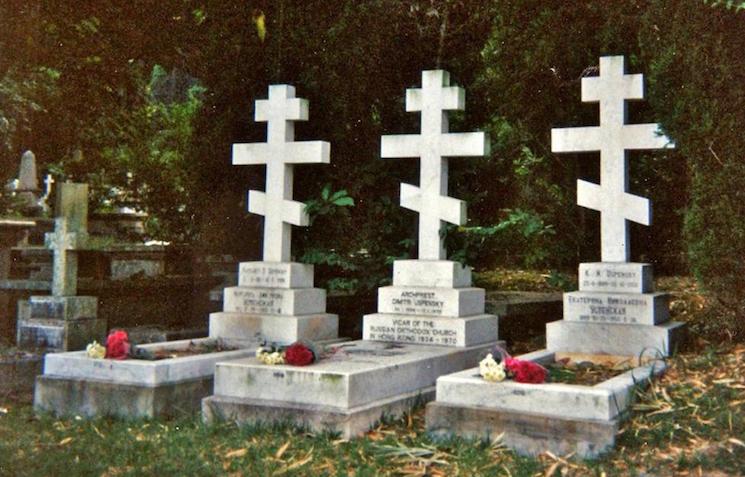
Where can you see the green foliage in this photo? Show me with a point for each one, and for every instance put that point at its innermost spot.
(327, 203)
(479, 244)
(700, 97)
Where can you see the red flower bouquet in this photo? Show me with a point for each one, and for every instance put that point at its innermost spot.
(117, 345)
(525, 371)
(299, 354)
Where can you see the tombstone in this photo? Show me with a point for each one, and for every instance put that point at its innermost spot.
(275, 299)
(615, 316)
(431, 321)
(616, 310)
(27, 186)
(63, 321)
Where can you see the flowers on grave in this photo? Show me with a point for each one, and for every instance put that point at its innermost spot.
(300, 353)
(521, 371)
(117, 345)
(490, 370)
(95, 350)
(270, 354)
(524, 371)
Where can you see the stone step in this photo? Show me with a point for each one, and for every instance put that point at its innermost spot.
(438, 331)
(622, 340)
(243, 329)
(275, 275)
(616, 277)
(422, 301)
(274, 301)
(430, 274)
(617, 308)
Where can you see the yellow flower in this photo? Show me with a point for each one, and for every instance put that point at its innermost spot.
(95, 350)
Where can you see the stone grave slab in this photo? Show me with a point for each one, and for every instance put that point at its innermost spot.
(362, 380)
(74, 384)
(534, 418)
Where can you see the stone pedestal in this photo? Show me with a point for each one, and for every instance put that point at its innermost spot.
(59, 323)
(273, 302)
(431, 302)
(615, 311)
(431, 323)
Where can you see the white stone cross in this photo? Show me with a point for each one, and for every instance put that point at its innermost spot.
(279, 153)
(70, 234)
(613, 137)
(434, 145)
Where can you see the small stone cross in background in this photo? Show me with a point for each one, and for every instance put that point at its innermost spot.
(70, 234)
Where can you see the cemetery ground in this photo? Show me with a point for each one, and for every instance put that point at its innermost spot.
(690, 422)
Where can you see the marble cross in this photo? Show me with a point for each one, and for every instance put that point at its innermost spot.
(613, 137)
(433, 146)
(279, 153)
(70, 234)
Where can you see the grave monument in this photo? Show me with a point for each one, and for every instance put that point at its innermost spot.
(615, 317)
(274, 301)
(430, 322)
(63, 321)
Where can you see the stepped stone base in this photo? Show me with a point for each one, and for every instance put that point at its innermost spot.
(622, 339)
(94, 397)
(241, 329)
(59, 323)
(526, 433)
(438, 331)
(349, 423)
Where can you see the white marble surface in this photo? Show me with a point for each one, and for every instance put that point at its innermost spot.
(132, 371)
(604, 401)
(433, 146)
(438, 331)
(430, 274)
(275, 275)
(358, 373)
(423, 301)
(248, 329)
(279, 154)
(274, 301)
(616, 277)
(617, 308)
(621, 340)
(613, 137)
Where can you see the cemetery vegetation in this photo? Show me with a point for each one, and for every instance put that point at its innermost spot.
(144, 104)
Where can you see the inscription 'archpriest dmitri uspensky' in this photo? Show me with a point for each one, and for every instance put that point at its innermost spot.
(612, 138)
(434, 145)
(279, 154)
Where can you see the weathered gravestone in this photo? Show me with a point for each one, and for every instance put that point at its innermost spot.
(63, 321)
(431, 322)
(27, 185)
(614, 313)
(275, 299)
